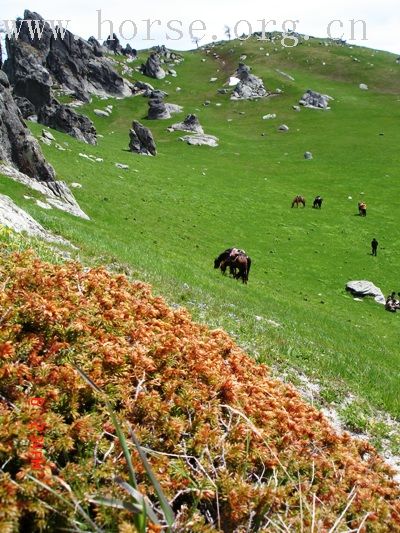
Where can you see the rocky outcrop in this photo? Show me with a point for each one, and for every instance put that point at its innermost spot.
(141, 140)
(167, 55)
(315, 100)
(129, 51)
(63, 118)
(17, 145)
(35, 66)
(29, 78)
(152, 67)
(143, 88)
(190, 124)
(249, 86)
(21, 157)
(27, 109)
(72, 63)
(98, 49)
(112, 44)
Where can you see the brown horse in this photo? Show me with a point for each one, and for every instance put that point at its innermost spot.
(299, 200)
(239, 264)
(362, 209)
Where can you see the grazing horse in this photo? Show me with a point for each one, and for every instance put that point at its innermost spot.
(222, 261)
(299, 200)
(317, 202)
(242, 263)
(362, 209)
(237, 261)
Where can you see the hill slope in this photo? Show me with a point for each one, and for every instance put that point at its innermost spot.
(232, 448)
(166, 218)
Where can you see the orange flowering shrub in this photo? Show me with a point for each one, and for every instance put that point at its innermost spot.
(233, 449)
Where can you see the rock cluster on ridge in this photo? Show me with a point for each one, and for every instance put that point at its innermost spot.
(315, 100)
(152, 67)
(249, 86)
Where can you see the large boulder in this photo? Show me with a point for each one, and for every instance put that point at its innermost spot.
(63, 118)
(152, 67)
(315, 100)
(249, 86)
(160, 110)
(141, 140)
(190, 124)
(365, 288)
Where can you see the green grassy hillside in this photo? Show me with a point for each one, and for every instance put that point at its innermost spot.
(167, 217)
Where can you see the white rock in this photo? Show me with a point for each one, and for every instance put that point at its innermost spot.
(17, 219)
(233, 81)
(199, 139)
(363, 87)
(283, 127)
(100, 113)
(45, 140)
(122, 166)
(269, 116)
(212, 80)
(43, 205)
(76, 185)
(46, 134)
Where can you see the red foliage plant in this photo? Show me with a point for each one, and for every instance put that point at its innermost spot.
(234, 450)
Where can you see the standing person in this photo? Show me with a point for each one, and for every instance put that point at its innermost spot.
(374, 246)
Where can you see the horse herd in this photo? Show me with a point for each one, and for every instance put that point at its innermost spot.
(317, 204)
(239, 262)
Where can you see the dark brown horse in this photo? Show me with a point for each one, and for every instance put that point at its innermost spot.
(239, 264)
(298, 200)
(362, 209)
(317, 202)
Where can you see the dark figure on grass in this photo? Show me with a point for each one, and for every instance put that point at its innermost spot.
(362, 209)
(392, 304)
(317, 202)
(237, 261)
(374, 246)
(299, 200)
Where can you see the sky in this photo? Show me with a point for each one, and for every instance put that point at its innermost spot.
(177, 23)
